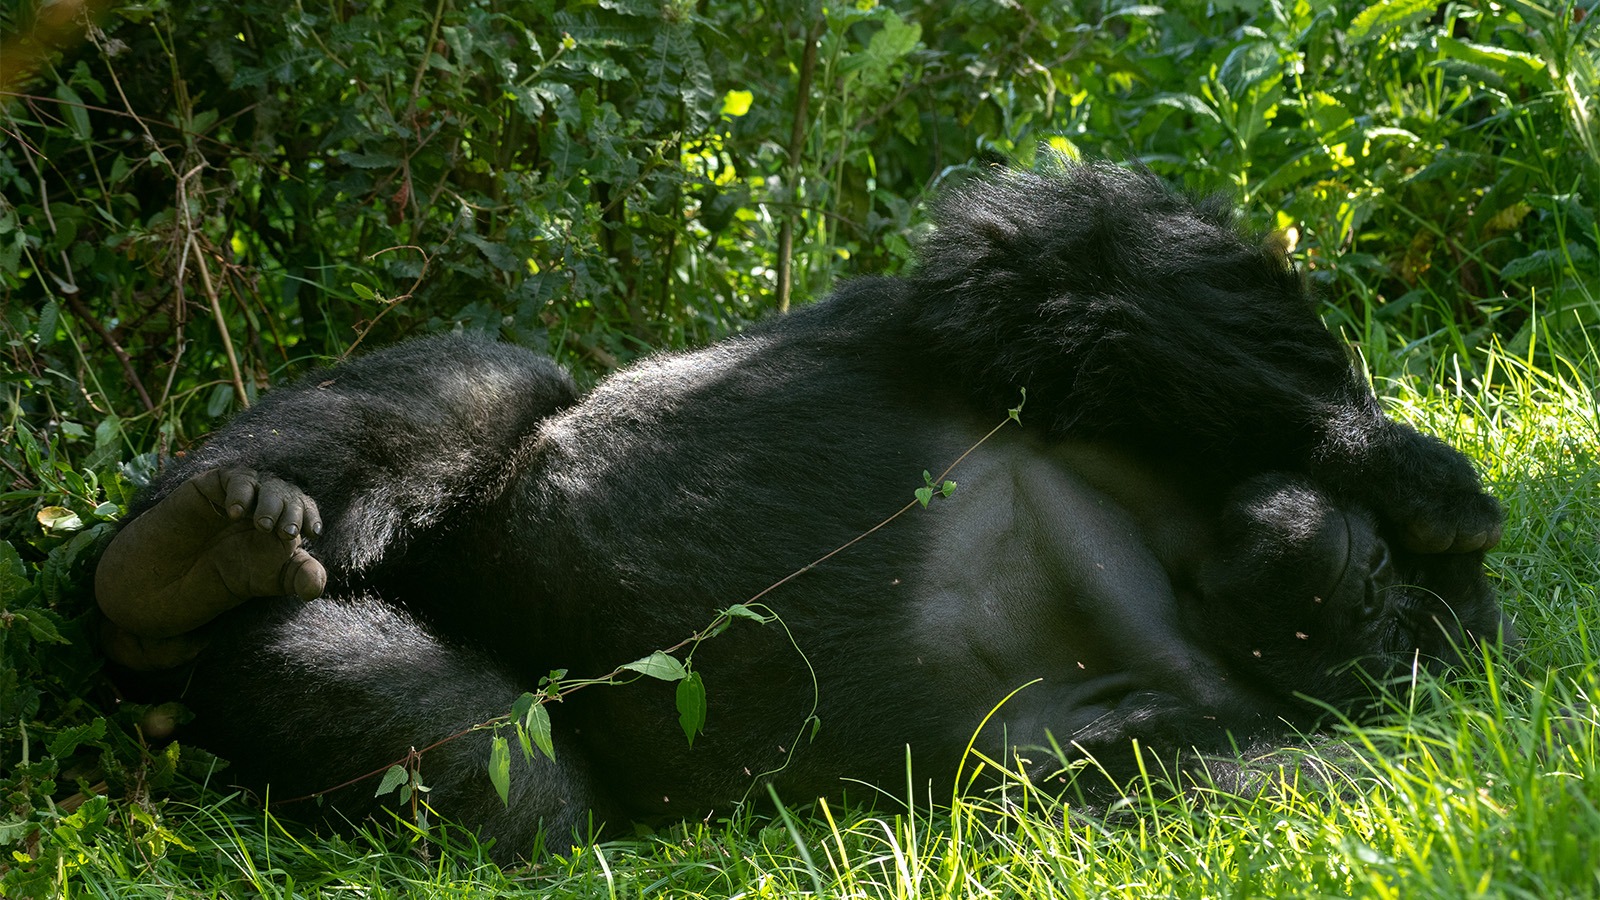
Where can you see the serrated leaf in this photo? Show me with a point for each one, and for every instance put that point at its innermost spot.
(395, 777)
(49, 318)
(376, 160)
(13, 576)
(658, 665)
(1385, 16)
(1544, 260)
(500, 768)
(40, 625)
(69, 740)
(692, 706)
(1510, 63)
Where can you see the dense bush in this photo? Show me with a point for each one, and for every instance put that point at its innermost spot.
(199, 199)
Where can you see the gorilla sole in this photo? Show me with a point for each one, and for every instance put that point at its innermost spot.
(1206, 529)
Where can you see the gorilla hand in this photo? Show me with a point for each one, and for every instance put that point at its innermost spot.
(1437, 504)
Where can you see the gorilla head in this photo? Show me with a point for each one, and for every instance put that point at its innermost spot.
(1304, 591)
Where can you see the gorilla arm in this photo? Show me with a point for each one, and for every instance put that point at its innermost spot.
(1132, 314)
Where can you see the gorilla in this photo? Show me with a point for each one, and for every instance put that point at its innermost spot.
(1205, 534)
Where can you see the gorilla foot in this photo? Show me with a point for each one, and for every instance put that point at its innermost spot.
(217, 540)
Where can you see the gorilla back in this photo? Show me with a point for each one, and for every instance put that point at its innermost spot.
(1206, 529)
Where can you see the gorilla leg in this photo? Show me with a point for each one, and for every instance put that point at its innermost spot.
(1132, 314)
(392, 444)
(216, 540)
(307, 696)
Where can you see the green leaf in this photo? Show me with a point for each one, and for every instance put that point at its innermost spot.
(659, 665)
(736, 103)
(69, 740)
(49, 318)
(1015, 412)
(39, 625)
(375, 160)
(924, 495)
(1545, 261)
(692, 706)
(59, 519)
(740, 611)
(537, 724)
(392, 779)
(220, 402)
(1511, 63)
(1189, 103)
(362, 290)
(948, 488)
(500, 768)
(13, 576)
(1385, 16)
(896, 39)
(72, 107)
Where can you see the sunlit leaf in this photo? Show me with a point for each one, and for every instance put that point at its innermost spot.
(736, 103)
(658, 665)
(500, 768)
(537, 724)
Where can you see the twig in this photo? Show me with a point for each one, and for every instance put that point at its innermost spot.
(84, 315)
(222, 324)
(191, 245)
(797, 136)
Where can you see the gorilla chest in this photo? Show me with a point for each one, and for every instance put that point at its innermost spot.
(1032, 571)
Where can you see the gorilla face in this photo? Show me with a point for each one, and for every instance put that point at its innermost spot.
(1306, 592)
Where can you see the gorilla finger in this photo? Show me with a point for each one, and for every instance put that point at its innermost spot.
(303, 576)
(292, 519)
(1483, 540)
(1429, 537)
(311, 519)
(272, 500)
(1496, 531)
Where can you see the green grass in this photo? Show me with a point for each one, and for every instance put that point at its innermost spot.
(1486, 784)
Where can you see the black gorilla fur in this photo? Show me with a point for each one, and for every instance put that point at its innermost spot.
(1204, 516)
